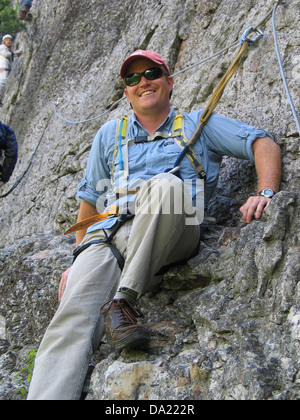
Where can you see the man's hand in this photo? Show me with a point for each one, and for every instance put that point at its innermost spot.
(268, 167)
(2, 183)
(63, 283)
(255, 205)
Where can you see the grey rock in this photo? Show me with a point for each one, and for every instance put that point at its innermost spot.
(226, 325)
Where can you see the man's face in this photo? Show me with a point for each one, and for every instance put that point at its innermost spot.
(149, 97)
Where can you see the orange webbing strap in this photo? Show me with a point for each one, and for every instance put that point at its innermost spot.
(112, 211)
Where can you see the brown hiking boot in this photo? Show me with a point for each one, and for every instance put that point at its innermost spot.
(121, 326)
(22, 15)
(25, 14)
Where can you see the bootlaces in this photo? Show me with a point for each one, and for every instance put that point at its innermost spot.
(127, 311)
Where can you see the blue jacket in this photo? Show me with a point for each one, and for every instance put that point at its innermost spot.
(8, 145)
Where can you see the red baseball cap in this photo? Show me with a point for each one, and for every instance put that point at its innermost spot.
(151, 55)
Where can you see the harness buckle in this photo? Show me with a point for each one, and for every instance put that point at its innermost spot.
(113, 211)
(245, 38)
(202, 175)
(140, 139)
(173, 171)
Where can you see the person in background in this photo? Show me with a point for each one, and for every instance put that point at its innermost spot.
(6, 60)
(8, 147)
(25, 10)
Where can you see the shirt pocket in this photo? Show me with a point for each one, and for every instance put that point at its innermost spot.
(137, 152)
(161, 156)
(170, 147)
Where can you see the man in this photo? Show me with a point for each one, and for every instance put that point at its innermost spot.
(6, 60)
(160, 231)
(8, 145)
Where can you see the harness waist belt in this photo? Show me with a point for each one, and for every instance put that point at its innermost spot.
(113, 211)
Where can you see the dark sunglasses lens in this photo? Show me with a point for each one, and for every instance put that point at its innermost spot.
(153, 74)
(133, 79)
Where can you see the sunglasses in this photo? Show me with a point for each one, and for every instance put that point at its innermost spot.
(150, 74)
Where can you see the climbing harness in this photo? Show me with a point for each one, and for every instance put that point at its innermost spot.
(188, 151)
(122, 143)
(122, 219)
(86, 223)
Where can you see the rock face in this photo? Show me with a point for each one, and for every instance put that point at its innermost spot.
(227, 324)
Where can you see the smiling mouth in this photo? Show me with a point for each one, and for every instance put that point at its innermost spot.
(148, 92)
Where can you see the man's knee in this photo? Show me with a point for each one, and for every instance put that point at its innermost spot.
(164, 194)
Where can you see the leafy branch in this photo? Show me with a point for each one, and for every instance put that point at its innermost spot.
(9, 22)
(28, 369)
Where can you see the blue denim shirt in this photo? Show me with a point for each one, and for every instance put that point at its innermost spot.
(221, 136)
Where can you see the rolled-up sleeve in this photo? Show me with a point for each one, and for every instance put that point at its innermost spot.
(230, 137)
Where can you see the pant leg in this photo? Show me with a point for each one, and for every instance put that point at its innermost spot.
(161, 234)
(157, 236)
(67, 347)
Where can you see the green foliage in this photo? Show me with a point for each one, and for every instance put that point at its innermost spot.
(27, 372)
(9, 22)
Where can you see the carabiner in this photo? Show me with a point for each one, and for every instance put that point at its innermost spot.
(245, 38)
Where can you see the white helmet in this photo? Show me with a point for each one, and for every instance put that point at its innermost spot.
(5, 37)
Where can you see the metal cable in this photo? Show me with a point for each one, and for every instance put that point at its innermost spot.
(281, 66)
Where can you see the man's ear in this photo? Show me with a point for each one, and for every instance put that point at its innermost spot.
(171, 85)
(126, 93)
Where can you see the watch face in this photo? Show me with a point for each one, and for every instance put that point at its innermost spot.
(267, 193)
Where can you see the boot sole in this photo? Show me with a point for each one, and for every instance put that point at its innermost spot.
(136, 340)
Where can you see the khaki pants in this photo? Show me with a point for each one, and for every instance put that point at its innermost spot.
(158, 236)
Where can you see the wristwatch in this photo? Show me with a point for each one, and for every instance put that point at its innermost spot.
(267, 193)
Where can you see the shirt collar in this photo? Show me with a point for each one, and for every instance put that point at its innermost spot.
(166, 126)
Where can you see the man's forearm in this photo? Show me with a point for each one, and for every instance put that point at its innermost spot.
(268, 164)
(268, 167)
(86, 210)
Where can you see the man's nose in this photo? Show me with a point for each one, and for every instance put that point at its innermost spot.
(144, 81)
